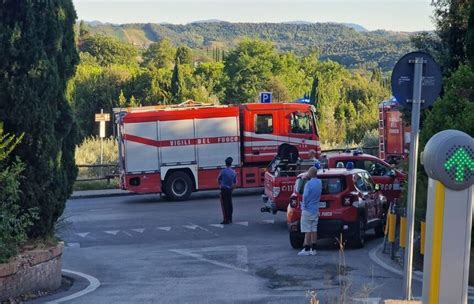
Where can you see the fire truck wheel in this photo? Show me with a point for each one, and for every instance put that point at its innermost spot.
(178, 186)
(296, 239)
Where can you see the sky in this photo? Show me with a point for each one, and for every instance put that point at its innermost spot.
(394, 15)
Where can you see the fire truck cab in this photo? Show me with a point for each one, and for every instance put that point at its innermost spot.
(179, 149)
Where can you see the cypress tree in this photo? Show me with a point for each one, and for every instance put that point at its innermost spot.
(313, 96)
(470, 36)
(177, 84)
(37, 58)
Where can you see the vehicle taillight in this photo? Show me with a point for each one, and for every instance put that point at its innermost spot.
(347, 201)
(276, 191)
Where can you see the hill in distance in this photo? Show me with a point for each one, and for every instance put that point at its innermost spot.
(349, 44)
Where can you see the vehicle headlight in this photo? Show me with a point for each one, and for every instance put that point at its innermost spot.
(276, 191)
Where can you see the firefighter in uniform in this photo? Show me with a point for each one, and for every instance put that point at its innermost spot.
(227, 180)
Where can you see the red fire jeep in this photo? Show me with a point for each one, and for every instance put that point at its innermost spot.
(350, 205)
(389, 179)
(279, 183)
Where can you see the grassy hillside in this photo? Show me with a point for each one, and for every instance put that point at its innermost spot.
(335, 41)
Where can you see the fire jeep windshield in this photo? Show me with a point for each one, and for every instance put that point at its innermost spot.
(331, 185)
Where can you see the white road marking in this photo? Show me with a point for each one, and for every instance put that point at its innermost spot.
(193, 227)
(73, 245)
(164, 228)
(84, 234)
(114, 232)
(268, 221)
(243, 223)
(125, 232)
(139, 230)
(217, 225)
(204, 229)
(241, 262)
(93, 285)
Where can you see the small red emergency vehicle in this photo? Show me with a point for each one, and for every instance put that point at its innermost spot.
(350, 204)
(279, 182)
(181, 149)
(394, 136)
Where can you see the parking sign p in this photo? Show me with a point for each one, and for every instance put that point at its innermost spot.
(265, 97)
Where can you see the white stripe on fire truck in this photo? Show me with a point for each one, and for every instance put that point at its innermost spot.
(282, 138)
(261, 154)
(260, 143)
(270, 154)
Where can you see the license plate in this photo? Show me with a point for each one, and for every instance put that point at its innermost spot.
(322, 204)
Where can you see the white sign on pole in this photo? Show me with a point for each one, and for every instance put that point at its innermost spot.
(102, 129)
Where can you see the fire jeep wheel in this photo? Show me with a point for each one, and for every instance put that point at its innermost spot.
(358, 240)
(178, 186)
(296, 239)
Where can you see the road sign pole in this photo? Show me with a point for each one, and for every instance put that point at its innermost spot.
(102, 134)
(415, 125)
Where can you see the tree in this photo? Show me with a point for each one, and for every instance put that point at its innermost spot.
(159, 55)
(37, 58)
(122, 101)
(470, 36)
(184, 54)
(278, 88)
(108, 50)
(177, 84)
(451, 18)
(97, 88)
(211, 76)
(454, 110)
(313, 97)
(248, 67)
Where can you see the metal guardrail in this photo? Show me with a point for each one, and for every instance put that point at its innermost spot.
(96, 172)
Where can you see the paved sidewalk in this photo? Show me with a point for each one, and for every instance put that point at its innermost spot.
(384, 261)
(99, 193)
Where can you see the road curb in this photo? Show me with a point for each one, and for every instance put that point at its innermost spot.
(417, 275)
(98, 195)
(94, 283)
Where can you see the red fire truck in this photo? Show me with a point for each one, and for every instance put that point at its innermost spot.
(394, 136)
(181, 149)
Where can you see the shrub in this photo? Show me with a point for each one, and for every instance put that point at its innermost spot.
(371, 138)
(88, 153)
(13, 222)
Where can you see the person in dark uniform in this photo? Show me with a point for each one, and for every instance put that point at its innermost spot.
(227, 180)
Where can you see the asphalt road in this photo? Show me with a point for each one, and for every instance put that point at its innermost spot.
(144, 249)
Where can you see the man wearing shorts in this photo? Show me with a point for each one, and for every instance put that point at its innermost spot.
(310, 212)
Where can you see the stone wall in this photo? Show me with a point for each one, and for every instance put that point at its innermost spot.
(32, 271)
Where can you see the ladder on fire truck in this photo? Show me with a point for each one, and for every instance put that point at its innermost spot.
(382, 131)
(184, 105)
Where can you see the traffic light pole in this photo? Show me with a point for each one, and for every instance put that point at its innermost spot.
(415, 126)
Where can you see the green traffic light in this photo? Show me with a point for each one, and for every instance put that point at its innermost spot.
(461, 160)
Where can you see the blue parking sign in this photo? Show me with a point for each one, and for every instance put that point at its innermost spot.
(265, 97)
